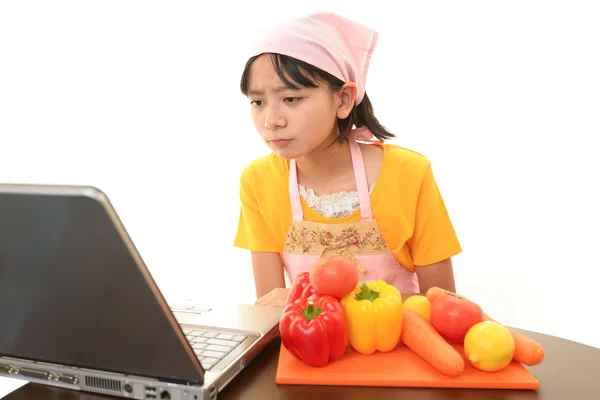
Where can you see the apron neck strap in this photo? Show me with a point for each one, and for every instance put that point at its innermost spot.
(361, 181)
(297, 213)
(360, 176)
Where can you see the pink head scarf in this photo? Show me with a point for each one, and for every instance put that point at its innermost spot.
(327, 41)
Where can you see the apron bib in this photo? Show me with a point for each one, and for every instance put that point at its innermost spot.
(360, 242)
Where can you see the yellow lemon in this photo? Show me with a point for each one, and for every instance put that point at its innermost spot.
(420, 305)
(489, 346)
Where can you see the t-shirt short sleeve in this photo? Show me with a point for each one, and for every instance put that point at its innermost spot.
(253, 232)
(434, 238)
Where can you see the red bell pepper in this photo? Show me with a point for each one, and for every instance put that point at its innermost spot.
(314, 329)
(301, 288)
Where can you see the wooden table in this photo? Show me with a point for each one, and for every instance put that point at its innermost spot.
(570, 371)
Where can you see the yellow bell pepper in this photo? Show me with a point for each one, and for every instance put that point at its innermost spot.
(374, 316)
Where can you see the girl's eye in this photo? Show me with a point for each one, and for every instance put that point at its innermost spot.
(292, 99)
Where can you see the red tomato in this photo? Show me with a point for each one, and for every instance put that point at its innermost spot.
(334, 276)
(452, 317)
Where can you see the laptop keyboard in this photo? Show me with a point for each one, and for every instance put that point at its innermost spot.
(212, 346)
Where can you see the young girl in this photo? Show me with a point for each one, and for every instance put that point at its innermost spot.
(320, 191)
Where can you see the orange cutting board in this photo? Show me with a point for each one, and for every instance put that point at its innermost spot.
(400, 367)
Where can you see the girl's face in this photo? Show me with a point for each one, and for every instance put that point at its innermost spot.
(292, 122)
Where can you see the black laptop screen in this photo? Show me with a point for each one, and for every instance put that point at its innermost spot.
(71, 293)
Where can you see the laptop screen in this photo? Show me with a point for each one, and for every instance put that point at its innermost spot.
(71, 293)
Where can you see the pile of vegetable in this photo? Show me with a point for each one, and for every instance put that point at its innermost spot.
(328, 309)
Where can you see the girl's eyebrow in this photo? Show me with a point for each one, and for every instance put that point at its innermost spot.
(254, 92)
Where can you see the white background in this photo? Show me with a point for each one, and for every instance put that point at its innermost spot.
(141, 99)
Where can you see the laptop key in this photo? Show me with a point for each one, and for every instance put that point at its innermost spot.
(199, 346)
(225, 336)
(220, 342)
(209, 360)
(213, 354)
(210, 334)
(238, 338)
(198, 333)
(198, 340)
(207, 366)
(214, 347)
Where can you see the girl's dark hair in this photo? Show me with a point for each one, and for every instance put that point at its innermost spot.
(295, 74)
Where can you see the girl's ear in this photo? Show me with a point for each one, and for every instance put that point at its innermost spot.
(347, 95)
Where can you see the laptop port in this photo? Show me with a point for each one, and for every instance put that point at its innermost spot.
(68, 379)
(151, 393)
(165, 395)
(213, 393)
(5, 369)
(32, 373)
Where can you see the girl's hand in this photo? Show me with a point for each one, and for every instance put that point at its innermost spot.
(275, 298)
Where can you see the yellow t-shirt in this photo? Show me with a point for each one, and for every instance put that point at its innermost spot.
(405, 201)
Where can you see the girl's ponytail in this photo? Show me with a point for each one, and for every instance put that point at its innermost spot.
(363, 115)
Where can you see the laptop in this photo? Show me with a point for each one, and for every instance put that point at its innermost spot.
(80, 310)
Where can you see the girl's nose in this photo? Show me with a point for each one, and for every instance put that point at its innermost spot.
(274, 119)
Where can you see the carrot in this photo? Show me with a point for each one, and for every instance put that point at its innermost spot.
(527, 350)
(423, 339)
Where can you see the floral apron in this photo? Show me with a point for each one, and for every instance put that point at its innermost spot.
(360, 242)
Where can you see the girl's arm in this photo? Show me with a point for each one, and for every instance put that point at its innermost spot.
(270, 287)
(269, 280)
(440, 274)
